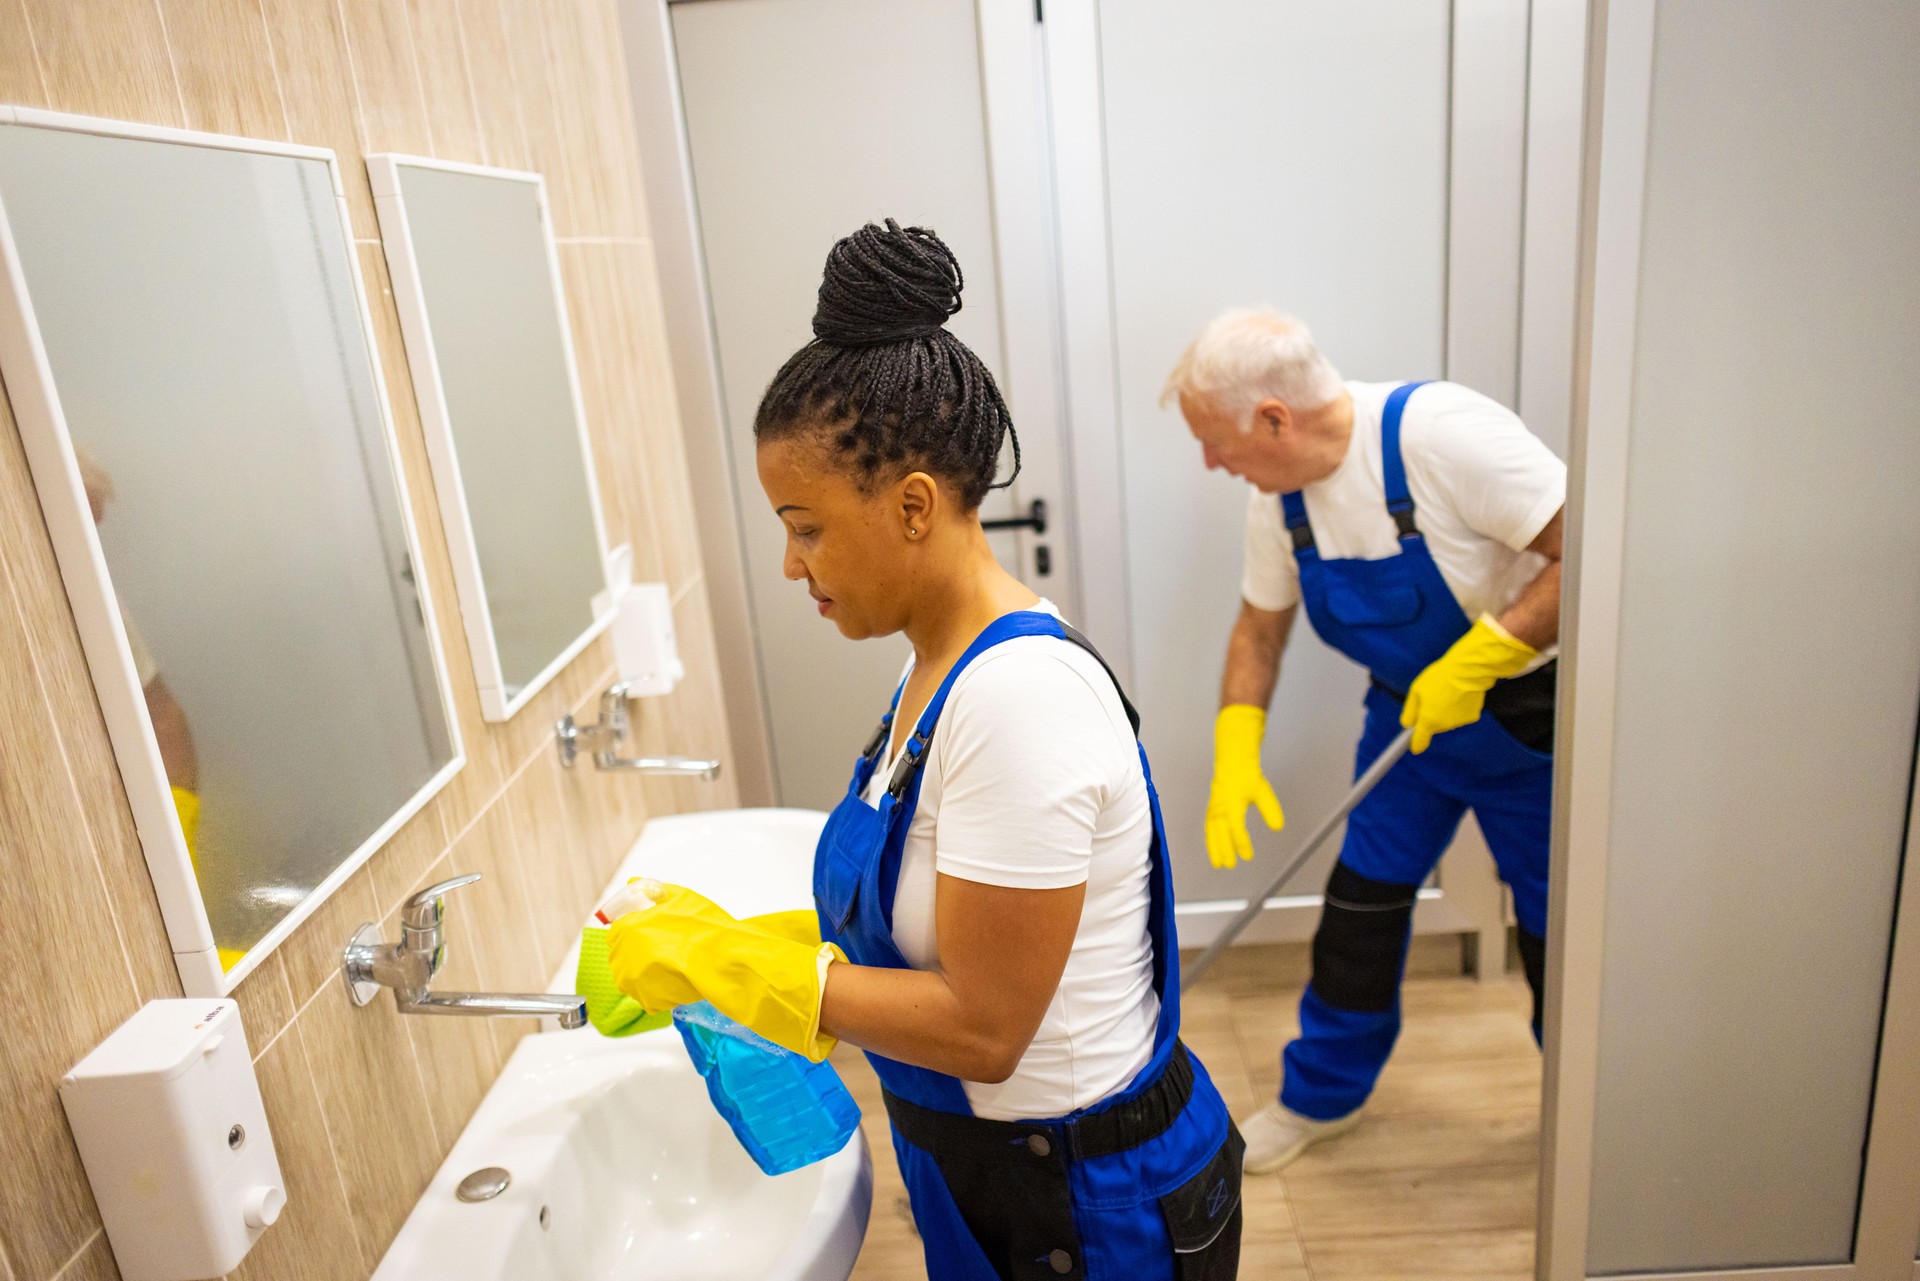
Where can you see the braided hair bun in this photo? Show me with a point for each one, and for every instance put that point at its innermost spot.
(887, 284)
(884, 381)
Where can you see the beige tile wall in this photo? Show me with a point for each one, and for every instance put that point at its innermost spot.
(363, 1103)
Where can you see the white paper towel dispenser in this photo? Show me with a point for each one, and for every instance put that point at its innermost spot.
(167, 1115)
(645, 651)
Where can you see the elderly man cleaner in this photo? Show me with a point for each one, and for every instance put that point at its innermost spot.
(1419, 524)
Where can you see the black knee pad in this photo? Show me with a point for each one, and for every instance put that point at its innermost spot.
(1533, 959)
(1360, 948)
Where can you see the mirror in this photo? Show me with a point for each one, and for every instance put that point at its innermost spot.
(477, 282)
(186, 347)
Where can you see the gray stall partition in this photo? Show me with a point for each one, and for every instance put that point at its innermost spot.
(1769, 651)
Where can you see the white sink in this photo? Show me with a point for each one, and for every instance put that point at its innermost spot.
(748, 861)
(621, 1168)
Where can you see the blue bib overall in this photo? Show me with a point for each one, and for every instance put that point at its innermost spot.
(1394, 617)
(1143, 1186)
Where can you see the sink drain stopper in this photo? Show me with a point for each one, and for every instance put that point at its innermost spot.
(483, 1185)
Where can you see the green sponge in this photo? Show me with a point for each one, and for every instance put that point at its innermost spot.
(611, 1011)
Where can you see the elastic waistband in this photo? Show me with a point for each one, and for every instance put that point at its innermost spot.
(1125, 1125)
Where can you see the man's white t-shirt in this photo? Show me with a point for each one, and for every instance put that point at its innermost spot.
(1483, 487)
(1033, 781)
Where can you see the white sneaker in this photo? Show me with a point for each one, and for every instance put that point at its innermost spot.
(1277, 1135)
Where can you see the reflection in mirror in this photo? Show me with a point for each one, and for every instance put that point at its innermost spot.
(471, 254)
(187, 318)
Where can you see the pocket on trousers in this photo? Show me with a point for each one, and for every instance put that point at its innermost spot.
(1203, 1216)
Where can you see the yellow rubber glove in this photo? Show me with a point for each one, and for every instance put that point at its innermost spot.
(686, 948)
(1453, 689)
(1238, 783)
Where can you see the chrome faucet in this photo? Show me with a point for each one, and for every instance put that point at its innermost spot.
(408, 967)
(610, 731)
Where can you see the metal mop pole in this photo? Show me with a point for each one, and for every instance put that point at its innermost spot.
(1375, 772)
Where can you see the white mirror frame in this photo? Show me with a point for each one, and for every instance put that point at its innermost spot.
(403, 267)
(83, 569)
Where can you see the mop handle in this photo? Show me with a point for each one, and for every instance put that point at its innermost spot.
(1375, 772)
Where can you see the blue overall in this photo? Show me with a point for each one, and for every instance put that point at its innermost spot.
(1395, 616)
(1143, 1186)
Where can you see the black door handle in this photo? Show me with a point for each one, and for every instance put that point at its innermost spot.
(1035, 519)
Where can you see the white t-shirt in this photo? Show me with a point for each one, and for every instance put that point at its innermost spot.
(1483, 487)
(1033, 781)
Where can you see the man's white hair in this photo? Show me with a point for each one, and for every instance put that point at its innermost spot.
(1251, 354)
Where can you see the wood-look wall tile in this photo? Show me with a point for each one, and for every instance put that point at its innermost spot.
(311, 953)
(316, 81)
(597, 805)
(663, 453)
(58, 955)
(459, 1057)
(223, 55)
(691, 721)
(94, 1262)
(376, 1111)
(592, 102)
(21, 84)
(701, 706)
(561, 869)
(306, 1244)
(548, 149)
(386, 74)
(74, 712)
(266, 1002)
(520, 85)
(602, 343)
(504, 952)
(489, 56)
(575, 688)
(406, 859)
(445, 80)
(106, 58)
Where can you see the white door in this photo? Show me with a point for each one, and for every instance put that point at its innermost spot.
(1359, 165)
(804, 120)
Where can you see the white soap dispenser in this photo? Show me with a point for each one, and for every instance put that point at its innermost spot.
(167, 1116)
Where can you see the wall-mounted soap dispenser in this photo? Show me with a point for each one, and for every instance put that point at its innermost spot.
(167, 1115)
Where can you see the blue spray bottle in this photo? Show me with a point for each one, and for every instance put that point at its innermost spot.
(786, 1111)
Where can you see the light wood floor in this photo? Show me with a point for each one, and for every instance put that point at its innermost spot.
(1437, 1181)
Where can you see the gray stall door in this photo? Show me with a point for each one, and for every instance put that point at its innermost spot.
(1750, 651)
(805, 119)
(1295, 155)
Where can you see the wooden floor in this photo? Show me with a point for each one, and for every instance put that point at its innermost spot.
(1437, 1181)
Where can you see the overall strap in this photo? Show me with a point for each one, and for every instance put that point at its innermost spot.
(875, 745)
(913, 754)
(1393, 468)
(1294, 508)
(1071, 634)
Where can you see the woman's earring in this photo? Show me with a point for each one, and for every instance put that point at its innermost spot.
(912, 532)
